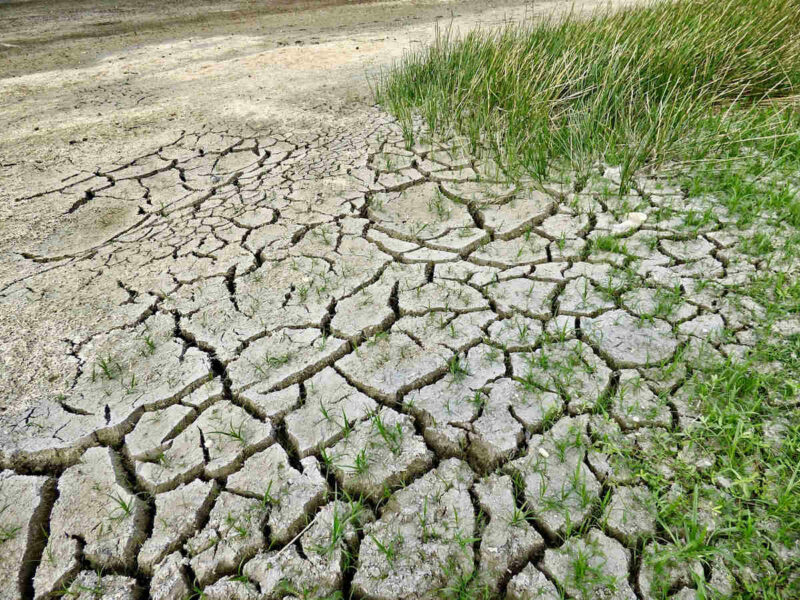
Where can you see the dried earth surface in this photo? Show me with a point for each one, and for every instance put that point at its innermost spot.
(267, 349)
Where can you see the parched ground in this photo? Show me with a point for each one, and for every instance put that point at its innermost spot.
(304, 358)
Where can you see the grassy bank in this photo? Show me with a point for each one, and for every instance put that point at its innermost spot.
(680, 81)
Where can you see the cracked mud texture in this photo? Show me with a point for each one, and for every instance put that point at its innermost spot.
(303, 363)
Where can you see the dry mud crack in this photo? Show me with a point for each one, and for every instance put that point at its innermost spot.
(263, 330)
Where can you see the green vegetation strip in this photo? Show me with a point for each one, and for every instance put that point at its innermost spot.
(695, 81)
(704, 93)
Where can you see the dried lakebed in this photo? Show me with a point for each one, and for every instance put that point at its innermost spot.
(309, 364)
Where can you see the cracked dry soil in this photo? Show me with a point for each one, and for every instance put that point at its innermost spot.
(255, 331)
(277, 324)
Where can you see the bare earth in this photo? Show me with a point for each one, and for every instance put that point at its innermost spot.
(232, 301)
(133, 84)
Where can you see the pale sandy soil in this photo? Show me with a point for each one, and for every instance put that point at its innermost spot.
(86, 83)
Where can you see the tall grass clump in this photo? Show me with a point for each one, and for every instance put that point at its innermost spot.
(688, 80)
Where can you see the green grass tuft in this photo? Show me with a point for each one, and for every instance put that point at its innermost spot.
(694, 81)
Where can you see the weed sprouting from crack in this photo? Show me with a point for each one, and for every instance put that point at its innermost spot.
(391, 435)
(457, 369)
(388, 548)
(234, 432)
(122, 507)
(9, 532)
